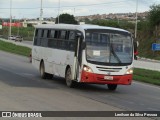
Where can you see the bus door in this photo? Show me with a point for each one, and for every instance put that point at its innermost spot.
(77, 56)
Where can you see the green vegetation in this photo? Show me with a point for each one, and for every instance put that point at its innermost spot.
(148, 76)
(27, 33)
(114, 23)
(149, 32)
(153, 16)
(66, 18)
(12, 48)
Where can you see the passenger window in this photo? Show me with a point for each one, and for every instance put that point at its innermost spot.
(71, 35)
(37, 40)
(51, 43)
(44, 42)
(63, 34)
(42, 33)
(52, 33)
(39, 33)
(36, 33)
(45, 33)
(56, 34)
(48, 33)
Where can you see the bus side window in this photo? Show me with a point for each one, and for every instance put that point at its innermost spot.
(38, 41)
(51, 43)
(45, 33)
(36, 33)
(44, 40)
(42, 33)
(48, 33)
(55, 39)
(56, 34)
(71, 42)
(63, 34)
(61, 39)
(71, 35)
(52, 33)
(36, 37)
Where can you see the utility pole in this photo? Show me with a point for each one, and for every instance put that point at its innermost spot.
(41, 13)
(136, 20)
(18, 25)
(10, 18)
(74, 12)
(58, 9)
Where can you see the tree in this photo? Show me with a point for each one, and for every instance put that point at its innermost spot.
(66, 18)
(154, 15)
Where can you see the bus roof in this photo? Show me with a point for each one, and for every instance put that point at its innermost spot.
(77, 27)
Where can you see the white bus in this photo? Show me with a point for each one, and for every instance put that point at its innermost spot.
(84, 53)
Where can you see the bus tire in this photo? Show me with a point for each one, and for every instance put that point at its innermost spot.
(112, 86)
(42, 71)
(69, 82)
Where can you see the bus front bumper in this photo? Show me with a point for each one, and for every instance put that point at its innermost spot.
(87, 77)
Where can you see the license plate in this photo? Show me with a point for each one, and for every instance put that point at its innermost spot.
(108, 77)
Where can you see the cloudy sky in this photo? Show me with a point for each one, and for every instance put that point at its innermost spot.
(31, 8)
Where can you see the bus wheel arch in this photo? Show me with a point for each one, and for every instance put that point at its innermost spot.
(68, 77)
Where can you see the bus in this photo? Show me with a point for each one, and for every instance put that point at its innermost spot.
(84, 54)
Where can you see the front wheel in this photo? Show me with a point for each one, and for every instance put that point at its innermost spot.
(69, 82)
(112, 86)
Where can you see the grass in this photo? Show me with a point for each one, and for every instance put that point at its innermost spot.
(12, 48)
(147, 76)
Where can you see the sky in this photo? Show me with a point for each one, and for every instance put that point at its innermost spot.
(31, 8)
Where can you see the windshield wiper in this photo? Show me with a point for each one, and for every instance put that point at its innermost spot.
(114, 54)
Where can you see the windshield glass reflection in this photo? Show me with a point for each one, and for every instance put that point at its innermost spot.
(109, 47)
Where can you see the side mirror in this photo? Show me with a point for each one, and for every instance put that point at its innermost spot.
(135, 49)
(79, 35)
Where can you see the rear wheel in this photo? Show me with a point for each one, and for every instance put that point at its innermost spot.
(43, 74)
(42, 71)
(69, 82)
(112, 86)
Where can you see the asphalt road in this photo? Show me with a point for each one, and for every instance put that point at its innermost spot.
(21, 88)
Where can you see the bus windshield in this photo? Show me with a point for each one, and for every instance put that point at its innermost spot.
(111, 47)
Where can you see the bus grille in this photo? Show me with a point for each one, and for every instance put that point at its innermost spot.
(108, 69)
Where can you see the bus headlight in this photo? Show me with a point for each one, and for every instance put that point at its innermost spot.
(129, 71)
(87, 69)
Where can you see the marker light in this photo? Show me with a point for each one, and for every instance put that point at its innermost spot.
(87, 69)
(129, 71)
